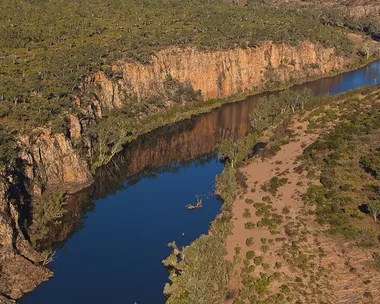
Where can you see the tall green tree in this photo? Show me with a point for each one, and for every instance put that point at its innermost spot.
(237, 151)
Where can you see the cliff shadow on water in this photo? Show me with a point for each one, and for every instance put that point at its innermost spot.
(167, 149)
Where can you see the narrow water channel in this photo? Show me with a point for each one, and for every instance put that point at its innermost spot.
(115, 234)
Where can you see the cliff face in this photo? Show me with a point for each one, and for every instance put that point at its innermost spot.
(215, 74)
(6, 231)
(50, 161)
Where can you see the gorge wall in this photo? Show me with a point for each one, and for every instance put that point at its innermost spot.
(52, 162)
(216, 74)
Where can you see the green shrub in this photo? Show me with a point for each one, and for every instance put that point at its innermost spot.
(250, 255)
(249, 225)
(371, 163)
(250, 269)
(376, 257)
(258, 260)
(247, 213)
(285, 210)
(249, 241)
(265, 266)
(274, 184)
(284, 289)
(249, 201)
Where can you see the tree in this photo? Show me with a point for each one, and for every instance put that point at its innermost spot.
(261, 116)
(237, 151)
(230, 150)
(258, 122)
(8, 147)
(204, 273)
(374, 208)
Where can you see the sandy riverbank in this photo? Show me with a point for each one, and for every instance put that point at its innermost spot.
(288, 258)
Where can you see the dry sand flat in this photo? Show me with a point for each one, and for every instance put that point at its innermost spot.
(310, 267)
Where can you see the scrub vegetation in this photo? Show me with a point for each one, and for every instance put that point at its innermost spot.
(342, 13)
(342, 197)
(348, 160)
(49, 47)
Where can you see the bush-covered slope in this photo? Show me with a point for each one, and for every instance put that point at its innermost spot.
(362, 15)
(49, 46)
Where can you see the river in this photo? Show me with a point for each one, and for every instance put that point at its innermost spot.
(114, 235)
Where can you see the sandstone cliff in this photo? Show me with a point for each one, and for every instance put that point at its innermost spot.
(50, 161)
(216, 74)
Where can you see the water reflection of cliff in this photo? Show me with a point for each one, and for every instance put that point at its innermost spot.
(166, 149)
(76, 207)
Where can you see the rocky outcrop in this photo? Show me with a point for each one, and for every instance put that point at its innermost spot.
(50, 161)
(20, 264)
(20, 276)
(5, 300)
(216, 74)
(74, 127)
(6, 229)
(361, 11)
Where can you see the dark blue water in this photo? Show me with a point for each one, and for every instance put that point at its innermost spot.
(137, 206)
(117, 257)
(342, 83)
